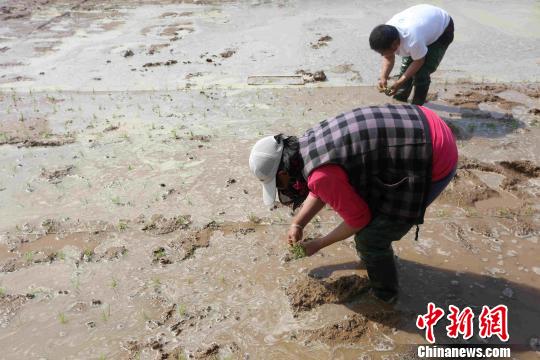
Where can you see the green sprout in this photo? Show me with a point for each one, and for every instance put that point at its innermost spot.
(88, 253)
(159, 253)
(156, 284)
(29, 256)
(181, 310)
(254, 219)
(76, 283)
(297, 251)
(62, 318)
(106, 313)
(122, 226)
(114, 283)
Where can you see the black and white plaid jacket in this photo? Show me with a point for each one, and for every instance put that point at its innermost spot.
(385, 150)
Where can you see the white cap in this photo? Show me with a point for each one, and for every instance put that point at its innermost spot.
(264, 162)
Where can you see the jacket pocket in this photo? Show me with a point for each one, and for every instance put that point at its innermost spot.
(390, 181)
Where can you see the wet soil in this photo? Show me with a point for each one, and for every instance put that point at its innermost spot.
(159, 224)
(321, 42)
(55, 176)
(348, 331)
(9, 306)
(186, 253)
(310, 77)
(200, 273)
(308, 293)
(467, 188)
(228, 53)
(471, 99)
(47, 140)
(524, 168)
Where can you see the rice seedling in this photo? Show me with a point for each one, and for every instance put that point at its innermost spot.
(88, 254)
(297, 251)
(106, 313)
(29, 256)
(254, 219)
(62, 318)
(114, 283)
(122, 225)
(181, 310)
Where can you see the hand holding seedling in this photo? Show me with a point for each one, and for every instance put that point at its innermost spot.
(297, 251)
(294, 234)
(390, 91)
(305, 248)
(386, 90)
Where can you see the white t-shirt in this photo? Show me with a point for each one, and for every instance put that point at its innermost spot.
(418, 27)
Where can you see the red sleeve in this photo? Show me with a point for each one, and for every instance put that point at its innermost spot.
(330, 183)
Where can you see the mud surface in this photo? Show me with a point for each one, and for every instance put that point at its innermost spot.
(348, 331)
(150, 215)
(131, 228)
(471, 99)
(309, 293)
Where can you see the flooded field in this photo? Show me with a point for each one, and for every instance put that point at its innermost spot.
(131, 227)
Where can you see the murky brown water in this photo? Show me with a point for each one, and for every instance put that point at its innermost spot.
(130, 227)
(214, 270)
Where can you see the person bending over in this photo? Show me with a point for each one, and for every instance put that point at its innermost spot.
(378, 167)
(420, 35)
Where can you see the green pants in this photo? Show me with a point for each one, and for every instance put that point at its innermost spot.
(374, 246)
(374, 242)
(422, 79)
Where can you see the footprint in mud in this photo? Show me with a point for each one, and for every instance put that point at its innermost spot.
(308, 293)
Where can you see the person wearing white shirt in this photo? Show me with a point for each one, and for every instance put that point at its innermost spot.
(420, 35)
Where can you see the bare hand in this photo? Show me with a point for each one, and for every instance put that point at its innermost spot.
(311, 246)
(394, 88)
(294, 235)
(382, 85)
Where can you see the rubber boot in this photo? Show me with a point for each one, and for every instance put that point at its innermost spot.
(403, 92)
(383, 279)
(420, 94)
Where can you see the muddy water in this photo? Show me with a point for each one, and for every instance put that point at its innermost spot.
(154, 243)
(210, 277)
